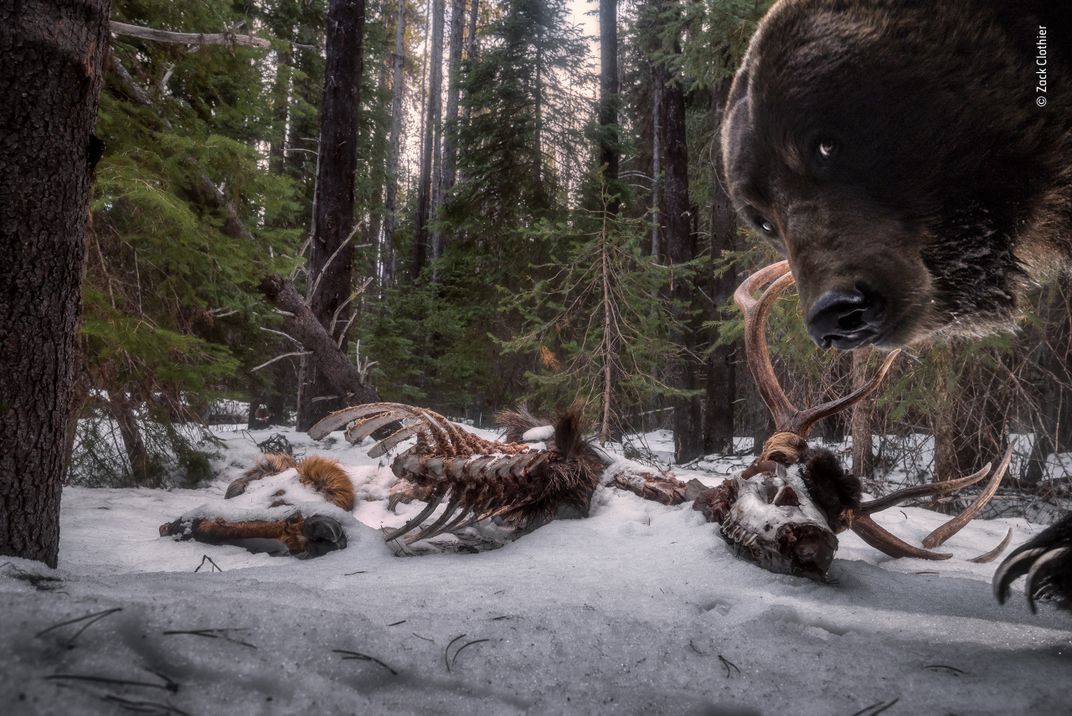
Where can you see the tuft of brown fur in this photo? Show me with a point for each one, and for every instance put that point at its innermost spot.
(327, 477)
(267, 465)
(836, 492)
(322, 474)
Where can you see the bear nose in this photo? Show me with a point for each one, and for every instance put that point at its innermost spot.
(845, 319)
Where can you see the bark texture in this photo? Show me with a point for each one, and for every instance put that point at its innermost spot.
(331, 256)
(422, 240)
(609, 154)
(187, 38)
(450, 121)
(390, 207)
(51, 57)
(863, 461)
(721, 383)
(341, 376)
(680, 248)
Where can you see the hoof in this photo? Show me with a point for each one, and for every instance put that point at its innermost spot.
(322, 535)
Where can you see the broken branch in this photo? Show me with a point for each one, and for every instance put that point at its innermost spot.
(123, 29)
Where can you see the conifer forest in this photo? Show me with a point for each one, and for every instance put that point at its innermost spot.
(511, 230)
(504, 167)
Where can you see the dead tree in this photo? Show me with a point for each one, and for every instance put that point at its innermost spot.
(187, 38)
(51, 65)
(448, 175)
(348, 379)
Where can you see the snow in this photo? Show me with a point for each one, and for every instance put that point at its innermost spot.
(639, 608)
(542, 433)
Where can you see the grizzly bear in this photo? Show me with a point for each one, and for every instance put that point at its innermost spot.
(913, 161)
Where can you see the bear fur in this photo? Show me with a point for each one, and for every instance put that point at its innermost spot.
(901, 146)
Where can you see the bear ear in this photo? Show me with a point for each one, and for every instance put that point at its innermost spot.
(736, 119)
(739, 86)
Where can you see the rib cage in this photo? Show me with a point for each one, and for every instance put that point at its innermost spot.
(476, 479)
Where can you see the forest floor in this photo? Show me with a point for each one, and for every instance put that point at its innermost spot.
(639, 608)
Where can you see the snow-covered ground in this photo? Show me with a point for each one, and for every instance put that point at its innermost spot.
(639, 608)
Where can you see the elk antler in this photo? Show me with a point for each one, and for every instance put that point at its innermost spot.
(792, 425)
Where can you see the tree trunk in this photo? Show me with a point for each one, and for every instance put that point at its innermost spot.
(721, 387)
(1052, 380)
(680, 249)
(860, 422)
(657, 78)
(609, 152)
(450, 123)
(969, 424)
(144, 472)
(281, 88)
(332, 251)
(835, 377)
(306, 86)
(471, 47)
(341, 376)
(611, 344)
(537, 94)
(761, 423)
(398, 91)
(51, 64)
(421, 240)
(943, 422)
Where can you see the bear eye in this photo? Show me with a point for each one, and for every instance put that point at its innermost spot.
(765, 224)
(827, 148)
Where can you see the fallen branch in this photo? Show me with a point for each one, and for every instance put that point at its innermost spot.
(206, 558)
(122, 29)
(267, 363)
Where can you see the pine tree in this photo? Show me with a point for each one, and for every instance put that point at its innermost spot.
(595, 325)
(331, 259)
(51, 69)
(185, 221)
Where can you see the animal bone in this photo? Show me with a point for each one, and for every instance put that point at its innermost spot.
(292, 532)
(523, 486)
(823, 480)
